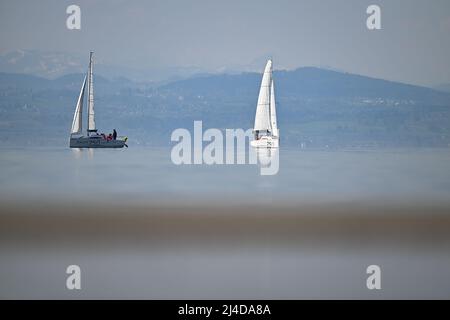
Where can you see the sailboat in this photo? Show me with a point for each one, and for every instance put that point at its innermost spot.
(92, 139)
(266, 133)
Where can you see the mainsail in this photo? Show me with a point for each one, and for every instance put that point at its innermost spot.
(77, 117)
(91, 114)
(262, 118)
(266, 134)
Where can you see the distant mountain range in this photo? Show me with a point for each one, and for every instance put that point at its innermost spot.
(44, 64)
(310, 82)
(316, 108)
(52, 65)
(443, 87)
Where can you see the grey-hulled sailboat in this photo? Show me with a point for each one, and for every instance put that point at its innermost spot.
(92, 139)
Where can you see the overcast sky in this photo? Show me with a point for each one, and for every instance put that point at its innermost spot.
(413, 45)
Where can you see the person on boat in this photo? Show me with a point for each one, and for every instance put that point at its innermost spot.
(109, 137)
(114, 135)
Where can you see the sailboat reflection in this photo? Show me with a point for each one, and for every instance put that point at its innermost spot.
(268, 159)
(78, 153)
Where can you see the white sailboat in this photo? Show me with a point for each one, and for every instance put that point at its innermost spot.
(266, 132)
(92, 139)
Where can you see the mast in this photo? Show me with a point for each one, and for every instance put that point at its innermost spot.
(91, 113)
(273, 112)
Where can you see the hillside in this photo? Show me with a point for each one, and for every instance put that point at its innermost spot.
(316, 108)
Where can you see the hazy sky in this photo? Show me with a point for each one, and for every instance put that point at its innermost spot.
(413, 45)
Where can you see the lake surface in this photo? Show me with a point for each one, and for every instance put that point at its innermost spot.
(149, 175)
(129, 219)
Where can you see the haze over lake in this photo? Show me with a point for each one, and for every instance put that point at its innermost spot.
(139, 174)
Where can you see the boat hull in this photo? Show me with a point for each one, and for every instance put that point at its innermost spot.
(266, 142)
(89, 142)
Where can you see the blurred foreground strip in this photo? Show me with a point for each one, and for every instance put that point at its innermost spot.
(350, 226)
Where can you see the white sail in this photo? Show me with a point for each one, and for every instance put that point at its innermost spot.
(273, 111)
(266, 134)
(91, 113)
(77, 117)
(262, 121)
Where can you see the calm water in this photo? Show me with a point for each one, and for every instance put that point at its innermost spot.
(327, 262)
(148, 174)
